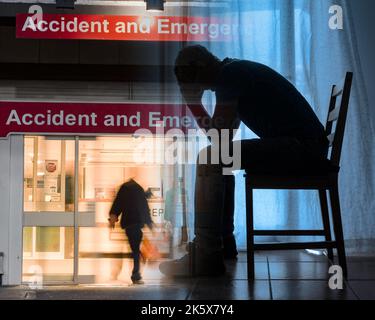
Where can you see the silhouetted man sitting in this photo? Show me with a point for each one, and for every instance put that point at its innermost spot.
(291, 139)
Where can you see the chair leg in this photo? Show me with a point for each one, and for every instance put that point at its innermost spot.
(249, 233)
(337, 226)
(325, 218)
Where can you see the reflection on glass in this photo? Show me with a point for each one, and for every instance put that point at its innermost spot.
(48, 175)
(27, 240)
(48, 253)
(105, 163)
(52, 235)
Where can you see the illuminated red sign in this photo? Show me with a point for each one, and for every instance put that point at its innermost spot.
(91, 118)
(129, 28)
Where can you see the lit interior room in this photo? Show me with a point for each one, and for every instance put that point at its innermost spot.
(101, 96)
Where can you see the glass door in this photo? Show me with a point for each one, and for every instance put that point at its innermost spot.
(69, 186)
(48, 231)
(105, 163)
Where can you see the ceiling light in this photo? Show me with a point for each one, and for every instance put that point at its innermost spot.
(155, 5)
(65, 4)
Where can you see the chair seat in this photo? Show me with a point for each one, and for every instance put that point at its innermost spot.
(310, 178)
(323, 168)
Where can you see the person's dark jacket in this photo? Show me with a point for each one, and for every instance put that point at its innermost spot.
(268, 103)
(131, 203)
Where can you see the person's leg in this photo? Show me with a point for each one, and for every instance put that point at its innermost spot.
(209, 201)
(229, 241)
(210, 191)
(134, 234)
(215, 198)
(209, 204)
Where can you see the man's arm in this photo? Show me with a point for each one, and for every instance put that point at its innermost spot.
(225, 114)
(193, 99)
(116, 208)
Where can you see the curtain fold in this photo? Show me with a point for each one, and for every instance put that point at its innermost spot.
(293, 37)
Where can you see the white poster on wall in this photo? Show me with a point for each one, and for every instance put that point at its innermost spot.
(51, 181)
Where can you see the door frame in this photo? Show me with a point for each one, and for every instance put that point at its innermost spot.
(14, 261)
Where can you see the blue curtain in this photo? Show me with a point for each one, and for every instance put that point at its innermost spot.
(294, 38)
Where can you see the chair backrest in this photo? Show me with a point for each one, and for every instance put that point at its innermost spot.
(337, 114)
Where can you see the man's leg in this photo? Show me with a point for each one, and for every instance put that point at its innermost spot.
(209, 201)
(209, 204)
(257, 155)
(214, 192)
(229, 241)
(134, 234)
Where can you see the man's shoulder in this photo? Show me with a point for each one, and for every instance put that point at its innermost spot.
(125, 186)
(241, 64)
(233, 68)
(233, 62)
(234, 74)
(230, 63)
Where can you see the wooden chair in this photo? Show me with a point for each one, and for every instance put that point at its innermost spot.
(322, 182)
